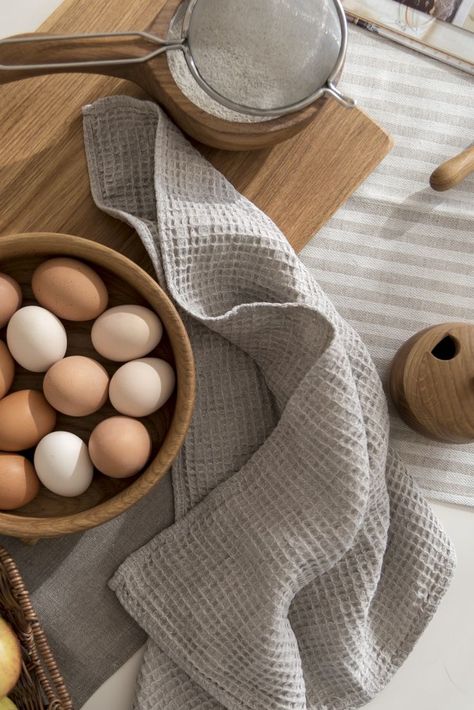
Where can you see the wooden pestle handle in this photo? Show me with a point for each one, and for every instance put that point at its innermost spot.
(62, 50)
(453, 171)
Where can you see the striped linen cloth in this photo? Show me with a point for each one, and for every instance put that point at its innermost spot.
(398, 257)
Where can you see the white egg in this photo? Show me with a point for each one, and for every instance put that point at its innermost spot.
(140, 387)
(126, 332)
(36, 338)
(63, 464)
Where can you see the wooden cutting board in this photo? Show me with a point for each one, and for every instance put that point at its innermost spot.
(44, 184)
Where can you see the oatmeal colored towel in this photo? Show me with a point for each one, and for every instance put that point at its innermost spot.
(304, 562)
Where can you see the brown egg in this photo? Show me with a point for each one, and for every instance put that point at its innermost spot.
(70, 289)
(7, 369)
(25, 417)
(76, 386)
(19, 483)
(120, 447)
(10, 298)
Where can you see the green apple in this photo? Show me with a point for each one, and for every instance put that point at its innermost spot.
(6, 704)
(10, 659)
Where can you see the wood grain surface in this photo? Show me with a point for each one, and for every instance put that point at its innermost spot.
(453, 171)
(50, 515)
(432, 382)
(43, 176)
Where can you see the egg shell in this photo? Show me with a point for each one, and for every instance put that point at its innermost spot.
(25, 417)
(70, 289)
(126, 332)
(120, 447)
(7, 369)
(10, 298)
(36, 338)
(76, 386)
(63, 464)
(140, 387)
(19, 483)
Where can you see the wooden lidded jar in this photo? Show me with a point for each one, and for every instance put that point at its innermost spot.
(432, 382)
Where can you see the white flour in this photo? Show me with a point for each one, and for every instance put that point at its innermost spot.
(272, 53)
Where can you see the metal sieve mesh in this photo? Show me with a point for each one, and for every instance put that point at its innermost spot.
(266, 54)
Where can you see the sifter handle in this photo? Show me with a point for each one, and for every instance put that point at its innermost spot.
(331, 90)
(26, 56)
(453, 171)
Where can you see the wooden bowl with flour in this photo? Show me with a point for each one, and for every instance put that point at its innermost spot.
(154, 75)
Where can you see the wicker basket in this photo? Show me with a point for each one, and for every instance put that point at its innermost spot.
(41, 685)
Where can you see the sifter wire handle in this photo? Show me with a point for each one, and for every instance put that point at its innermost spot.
(331, 90)
(17, 48)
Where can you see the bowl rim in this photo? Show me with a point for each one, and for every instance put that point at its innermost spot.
(56, 244)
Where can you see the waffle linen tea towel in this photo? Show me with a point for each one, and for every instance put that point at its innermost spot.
(304, 562)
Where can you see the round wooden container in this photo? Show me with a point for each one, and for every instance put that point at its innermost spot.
(432, 382)
(50, 515)
(155, 77)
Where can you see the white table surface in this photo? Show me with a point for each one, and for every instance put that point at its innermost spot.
(439, 674)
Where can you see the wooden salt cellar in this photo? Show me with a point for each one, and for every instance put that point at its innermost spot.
(432, 382)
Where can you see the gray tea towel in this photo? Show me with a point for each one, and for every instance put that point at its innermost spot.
(304, 562)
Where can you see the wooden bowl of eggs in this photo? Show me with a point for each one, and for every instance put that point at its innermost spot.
(97, 384)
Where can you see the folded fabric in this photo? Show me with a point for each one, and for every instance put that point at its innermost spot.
(304, 562)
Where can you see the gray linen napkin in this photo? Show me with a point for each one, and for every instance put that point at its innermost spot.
(304, 562)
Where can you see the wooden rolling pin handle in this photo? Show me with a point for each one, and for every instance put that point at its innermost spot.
(453, 171)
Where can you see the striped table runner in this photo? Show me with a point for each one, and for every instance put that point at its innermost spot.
(398, 257)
